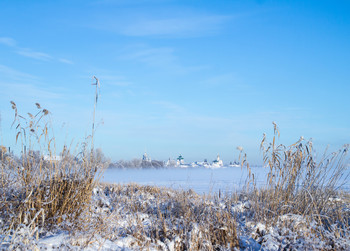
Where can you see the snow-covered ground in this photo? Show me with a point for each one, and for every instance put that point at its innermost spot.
(134, 217)
(201, 180)
(181, 209)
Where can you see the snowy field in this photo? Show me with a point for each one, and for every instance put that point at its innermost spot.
(173, 208)
(133, 217)
(142, 217)
(201, 180)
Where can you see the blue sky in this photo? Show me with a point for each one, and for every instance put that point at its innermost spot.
(192, 77)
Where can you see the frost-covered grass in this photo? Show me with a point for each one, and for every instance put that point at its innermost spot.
(134, 217)
(40, 192)
(162, 218)
(303, 194)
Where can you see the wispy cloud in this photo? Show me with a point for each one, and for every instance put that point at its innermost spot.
(161, 57)
(65, 61)
(34, 54)
(107, 77)
(222, 79)
(23, 86)
(178, 23)
(114, 80)
(153, 56)
(24, 91)
(13, 74)
(173, 108)
(176, 26)
(30, 53)
(7, 41)
(231, 81)
(126, 2)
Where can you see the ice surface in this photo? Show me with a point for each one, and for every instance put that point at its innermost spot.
(201, 180)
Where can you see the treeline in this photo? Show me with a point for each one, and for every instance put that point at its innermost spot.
(137, 163)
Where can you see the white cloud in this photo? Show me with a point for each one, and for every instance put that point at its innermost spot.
(26, 52)
(161, 57)
(114, 80)
(26, 91)
(7, 41)
(65, 61)
(22, 86)
(13, 74)
(223, 79)
(153, 56)
(126, 2)
(176, 26)
(106, 77)
(34, 54)
(175, 109)
(180, 23)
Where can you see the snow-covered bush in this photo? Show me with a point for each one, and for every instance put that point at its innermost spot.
(164, 219)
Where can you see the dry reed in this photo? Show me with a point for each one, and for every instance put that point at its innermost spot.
(299, 183)
(41, 190)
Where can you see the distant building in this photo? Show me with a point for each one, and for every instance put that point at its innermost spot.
(170, 163)
(148, 162)
(218, 162)
(180, 161)
(146, 158)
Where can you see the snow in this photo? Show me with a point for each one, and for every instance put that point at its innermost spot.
(111, 205)
(201, 180)
(62, 241)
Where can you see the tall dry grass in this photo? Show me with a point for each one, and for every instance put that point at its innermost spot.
(301, 183)
(42, 189)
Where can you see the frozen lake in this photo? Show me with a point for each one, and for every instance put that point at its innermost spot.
(201, 180)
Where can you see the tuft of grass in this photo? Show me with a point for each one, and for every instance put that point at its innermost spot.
(44, 190)
(300, 183)
(40, 190)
